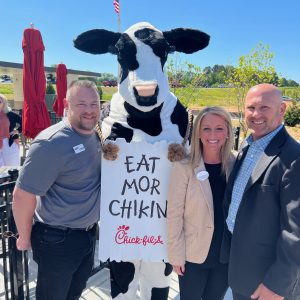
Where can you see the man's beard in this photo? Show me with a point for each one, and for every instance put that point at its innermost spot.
(87, 124)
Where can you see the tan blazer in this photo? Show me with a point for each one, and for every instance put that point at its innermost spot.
(190, 214)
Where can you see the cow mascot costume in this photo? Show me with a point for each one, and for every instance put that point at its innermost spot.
(143, 109)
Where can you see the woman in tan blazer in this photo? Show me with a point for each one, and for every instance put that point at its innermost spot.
(195, 217)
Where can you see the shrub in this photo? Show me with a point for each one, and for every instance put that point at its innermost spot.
(100, 91)
(50, 90)
(292, 115)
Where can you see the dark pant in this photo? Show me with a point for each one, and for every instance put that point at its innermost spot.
(65, 259)
(200, 283)
(239, 296)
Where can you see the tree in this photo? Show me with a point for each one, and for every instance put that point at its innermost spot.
(292, 83)
(282, 82)
(184, 74)
(50, 90)
(252, 69)
(292, 115)
(106, 76)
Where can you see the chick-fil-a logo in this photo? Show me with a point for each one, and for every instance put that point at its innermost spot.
(123, 238)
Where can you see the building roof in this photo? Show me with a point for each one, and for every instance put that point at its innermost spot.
(10, 68)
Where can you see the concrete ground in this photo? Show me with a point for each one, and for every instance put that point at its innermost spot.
(98, 287)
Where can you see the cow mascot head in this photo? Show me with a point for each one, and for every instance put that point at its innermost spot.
(144, 109)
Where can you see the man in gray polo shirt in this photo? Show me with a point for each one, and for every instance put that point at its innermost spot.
(59, 188)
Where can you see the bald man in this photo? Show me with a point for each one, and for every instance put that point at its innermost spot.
(262, 204)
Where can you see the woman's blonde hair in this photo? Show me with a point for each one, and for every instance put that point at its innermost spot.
(5, 108)
(196, 144)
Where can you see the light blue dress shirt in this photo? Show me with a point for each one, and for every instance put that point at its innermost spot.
(255, 151)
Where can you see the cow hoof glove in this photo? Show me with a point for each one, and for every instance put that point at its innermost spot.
(110, 151)
(176, 152)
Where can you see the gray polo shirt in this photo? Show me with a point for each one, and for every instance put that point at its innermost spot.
(63, 167)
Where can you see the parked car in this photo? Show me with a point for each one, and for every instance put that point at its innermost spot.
(109, 83)
(5, 79)
(286, 98)
(176, 84)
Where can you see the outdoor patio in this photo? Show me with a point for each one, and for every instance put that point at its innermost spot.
(98, 287)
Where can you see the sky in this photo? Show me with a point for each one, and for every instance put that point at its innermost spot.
(235, 26)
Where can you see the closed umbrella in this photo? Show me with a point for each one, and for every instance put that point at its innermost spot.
(35, 113)
(61, 89)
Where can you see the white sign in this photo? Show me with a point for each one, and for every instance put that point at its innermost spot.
(134, 203)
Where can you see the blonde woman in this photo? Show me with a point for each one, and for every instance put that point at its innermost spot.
(195, 208)
(10, 126)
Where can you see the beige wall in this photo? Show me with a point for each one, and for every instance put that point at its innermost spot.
(71, 77)
(18, 88)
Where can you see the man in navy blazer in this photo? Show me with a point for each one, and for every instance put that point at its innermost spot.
(262, 205)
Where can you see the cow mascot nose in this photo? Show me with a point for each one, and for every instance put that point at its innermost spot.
(146, 95)
(143, 110)
(146, 90)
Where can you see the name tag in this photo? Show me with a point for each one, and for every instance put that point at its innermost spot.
(79, 148)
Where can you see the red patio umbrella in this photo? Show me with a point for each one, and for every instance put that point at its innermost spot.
(35, 113)
(61, 89)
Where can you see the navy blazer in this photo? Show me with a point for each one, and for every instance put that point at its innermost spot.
(265, 244)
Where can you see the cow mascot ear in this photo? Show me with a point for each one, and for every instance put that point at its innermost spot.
(100, 41)
(186, 40)
(97, 41)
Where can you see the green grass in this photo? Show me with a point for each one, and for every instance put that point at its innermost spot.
(291, 92)
(199, 97)
(189, 96)
(7, 90)
(108, 92)
(192, 97)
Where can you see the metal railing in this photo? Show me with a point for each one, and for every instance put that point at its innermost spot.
(14, 263)
(236, 132)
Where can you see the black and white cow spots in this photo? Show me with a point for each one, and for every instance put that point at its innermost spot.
(143, 108)
(126, 276)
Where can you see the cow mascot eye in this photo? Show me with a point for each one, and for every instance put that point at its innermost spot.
(143, 114)
(126, 51)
